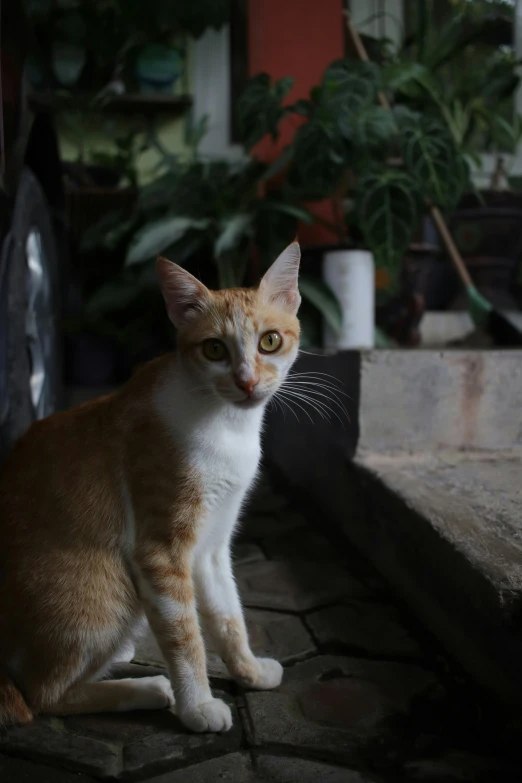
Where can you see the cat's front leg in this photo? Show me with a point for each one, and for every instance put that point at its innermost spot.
(167, 593)
(220, 608)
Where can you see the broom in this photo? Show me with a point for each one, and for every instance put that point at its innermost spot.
(482, 312)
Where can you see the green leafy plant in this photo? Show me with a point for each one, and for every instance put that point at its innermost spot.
(261, 108)
(206, 214)
(455, 68)
(385, 162)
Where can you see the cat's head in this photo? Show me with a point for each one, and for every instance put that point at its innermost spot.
(239, 343)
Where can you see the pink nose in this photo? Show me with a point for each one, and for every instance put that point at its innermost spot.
(247, 385)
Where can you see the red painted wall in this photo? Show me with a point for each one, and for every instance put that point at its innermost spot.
(296, 38)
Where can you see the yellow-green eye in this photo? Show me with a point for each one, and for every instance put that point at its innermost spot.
(214, 350)
(270, 342)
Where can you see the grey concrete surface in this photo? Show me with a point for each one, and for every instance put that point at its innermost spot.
(425, 480)
(351, 708)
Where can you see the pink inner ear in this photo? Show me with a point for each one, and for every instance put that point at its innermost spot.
(182, 292)
(280, 281)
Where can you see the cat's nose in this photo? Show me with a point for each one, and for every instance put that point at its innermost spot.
(246, 384)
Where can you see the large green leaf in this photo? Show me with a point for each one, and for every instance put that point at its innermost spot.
(158, 193)
(260, 108)
(108, 232)
(320, 158)
(232, 230)
(322, 297)
(279, 164)
(431, 157)
(387, 213)
(119, 293)
(294, 210)
(155, 237)
(410, 79)
(348, 85)
(373, 128)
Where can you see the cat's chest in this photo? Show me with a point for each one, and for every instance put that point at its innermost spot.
(227, 462)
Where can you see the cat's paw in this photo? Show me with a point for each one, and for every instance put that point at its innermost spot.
(154, 693)
(263, 674)
(270, 674)
(213, 715)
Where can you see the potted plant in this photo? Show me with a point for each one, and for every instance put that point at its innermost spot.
(211, 216)
(382, 165)
(460, 68)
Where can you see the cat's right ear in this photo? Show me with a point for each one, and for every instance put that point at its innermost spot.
(183, 294)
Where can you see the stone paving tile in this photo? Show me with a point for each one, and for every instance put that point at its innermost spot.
(49, 740)
(331, 707)
(255, 527)
(371, 627)
(162, 745)
(331, 704)
(233, 768)
(280, 769)
(460, 767)
(138, 744)
(279, 636)
(300, 545)
(295, 586)
(13, 770)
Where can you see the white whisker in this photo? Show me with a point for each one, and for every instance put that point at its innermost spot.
(298, 405)
(316, 385)
(311, 402)
(283, 402)
(302, 387)
(325, 378)
(316, 405)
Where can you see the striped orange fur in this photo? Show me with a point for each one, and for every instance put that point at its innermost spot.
(125, 507)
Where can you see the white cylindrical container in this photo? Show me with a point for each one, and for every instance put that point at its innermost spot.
(351, 276)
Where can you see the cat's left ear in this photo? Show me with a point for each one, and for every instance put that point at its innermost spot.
(183, 293)
(279, 284)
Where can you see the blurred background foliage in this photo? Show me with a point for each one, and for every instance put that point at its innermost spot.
(227, 218)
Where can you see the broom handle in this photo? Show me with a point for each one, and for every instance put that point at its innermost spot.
(436, 214)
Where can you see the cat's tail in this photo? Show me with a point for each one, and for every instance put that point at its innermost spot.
(13, 708)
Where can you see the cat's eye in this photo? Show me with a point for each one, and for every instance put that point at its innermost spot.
(270, 342)
(214, 350)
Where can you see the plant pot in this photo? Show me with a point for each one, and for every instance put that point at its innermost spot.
(490, 243)
(488, 232)
(351, 276)
(103, 176)
(157, 68)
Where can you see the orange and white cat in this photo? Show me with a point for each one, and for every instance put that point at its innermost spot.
(124, 508)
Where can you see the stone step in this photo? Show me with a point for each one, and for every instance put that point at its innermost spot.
(439, 328)
(425, 480)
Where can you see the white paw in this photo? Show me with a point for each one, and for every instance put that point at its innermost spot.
(212, 715)
(259, 673)
(269, 675)
(155, 692)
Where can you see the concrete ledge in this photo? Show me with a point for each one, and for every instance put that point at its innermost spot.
(439, 328)
(433, 400)
(426, 483)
